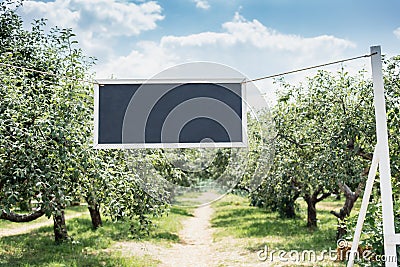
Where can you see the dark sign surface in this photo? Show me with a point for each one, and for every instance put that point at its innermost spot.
(140, 114)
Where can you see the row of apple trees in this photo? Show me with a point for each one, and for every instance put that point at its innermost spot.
(47, 161)
(46, 158)
(325, 138)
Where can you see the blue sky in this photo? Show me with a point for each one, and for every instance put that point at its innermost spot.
(137, 39)
(341, 18)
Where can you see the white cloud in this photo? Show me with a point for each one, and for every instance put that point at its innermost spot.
(202, 4)
(57, 13)
(248, 46)
(106, 17)
(144, 62)
(255, 49)
(98, 24)
(397, 32)
(253, 33)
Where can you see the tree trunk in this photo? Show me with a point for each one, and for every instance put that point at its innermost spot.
(94, 210)
(60, 228)
(290, 210)
(341, 229)
(312, 201)
(289, 205)
(311, 211)
(351, 198)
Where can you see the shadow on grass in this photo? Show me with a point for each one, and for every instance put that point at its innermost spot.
(38, 248)
(181, 211)
(254, 222)
(288, 234)
(169, 224)
(166, 236)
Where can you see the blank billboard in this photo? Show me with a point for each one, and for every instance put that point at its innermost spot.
(170, 114)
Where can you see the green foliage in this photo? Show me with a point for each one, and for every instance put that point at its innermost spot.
(169, 174)
(258, 159)
(111, 182)
(372, 231)
(325, 134)
(46, 129)
(392, 94)
(41, 118)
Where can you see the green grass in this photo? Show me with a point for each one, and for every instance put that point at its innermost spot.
(187, 199)
(89, 247)
(195, 199)
(250, 228)
(255, 227)
(167, 227)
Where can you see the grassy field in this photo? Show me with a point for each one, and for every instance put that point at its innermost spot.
(239, 229)
(89, 247)
(256, 229)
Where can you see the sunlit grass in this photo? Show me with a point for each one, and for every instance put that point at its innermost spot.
(88, 247)
(167, 227)
(255, 227)
(236, 224)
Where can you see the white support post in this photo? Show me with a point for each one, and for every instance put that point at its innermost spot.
(364, 206)
(383, 156)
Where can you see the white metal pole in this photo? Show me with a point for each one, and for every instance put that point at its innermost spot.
(364, 206)
(383, 156)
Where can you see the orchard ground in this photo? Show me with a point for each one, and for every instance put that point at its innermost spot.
(226, 233)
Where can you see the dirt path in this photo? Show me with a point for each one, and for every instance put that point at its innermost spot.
(26, 228)
(196, 247)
